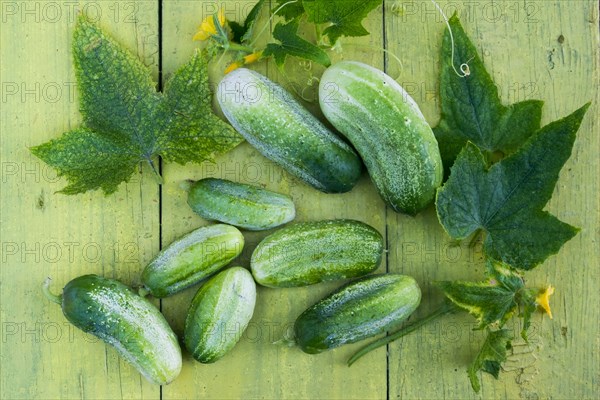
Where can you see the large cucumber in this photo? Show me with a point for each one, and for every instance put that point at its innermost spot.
(219, 314)
(192, 258)
(277, 125)
(359, 310)
(113, 312)
(387, 129)
(246, 206)
(311, 252)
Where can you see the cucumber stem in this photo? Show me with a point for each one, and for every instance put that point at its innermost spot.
(49, 295)
(143, 292)
(285, 341)
(443, 310)
(186, 185)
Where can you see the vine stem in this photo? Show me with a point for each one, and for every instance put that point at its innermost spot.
(464, 67)
(186, 185)
(443, 310)
(239, 47)
(49, 295)
(269, 21)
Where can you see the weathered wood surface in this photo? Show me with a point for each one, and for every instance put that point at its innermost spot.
(46, 234)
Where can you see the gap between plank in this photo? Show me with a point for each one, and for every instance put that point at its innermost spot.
(160, 161)
(385, 215)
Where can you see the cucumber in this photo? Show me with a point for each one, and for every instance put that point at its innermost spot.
(219, 314)
(359, 310)
(312, 252)
(272, 121)
(388, 130)
(245, 206)
(191, 259)
(131, 324)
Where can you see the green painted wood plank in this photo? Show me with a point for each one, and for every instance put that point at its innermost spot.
(46, 234)
(256, 368)
(519, 42)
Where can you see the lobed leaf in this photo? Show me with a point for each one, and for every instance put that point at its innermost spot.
(293, 45)
(126, 121)
(243, 33)
(491, 302)
(344, 16)
(471, 109)
(490, 357)
(506, 200)
(89, 160)
(291, 10)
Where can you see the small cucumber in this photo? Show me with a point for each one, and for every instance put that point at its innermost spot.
(246, 206)
(277, 125)
(113, 312)
(311, 252)
(359, 310)
(387, 129)
(192, 258)
(219, 314)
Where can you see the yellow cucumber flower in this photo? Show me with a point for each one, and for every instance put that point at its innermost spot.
(543, 299)
(253, 57)
(207, 28)
(233, 66)
(248, 59)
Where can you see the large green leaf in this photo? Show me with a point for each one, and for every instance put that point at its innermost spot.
(471, 108)
(506, 200)
(126, 121)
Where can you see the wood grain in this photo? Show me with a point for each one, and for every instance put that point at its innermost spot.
(47, 234)
(534, 49)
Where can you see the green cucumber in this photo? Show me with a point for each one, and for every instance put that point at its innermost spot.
(219, 314)
(387, 129)
(191, 259)
(272, 121)
(112, 311)
(312, 252)
(359, 310)
(246, 206)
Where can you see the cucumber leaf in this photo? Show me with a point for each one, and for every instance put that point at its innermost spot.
(293, 45)
(243, 33)
(506, 199)
(471, 109)
(291, 10)
(126, 121)
(491, 356)
(495, 301)
(343, 16)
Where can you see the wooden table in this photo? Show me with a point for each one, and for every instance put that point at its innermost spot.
(534, 49)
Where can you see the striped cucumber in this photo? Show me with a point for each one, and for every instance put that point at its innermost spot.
(246, 206)
(113, 312)
(311, 252)
(387, 129)
(278, 126)
(359, 310)
(192, 258)
(219, 314)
